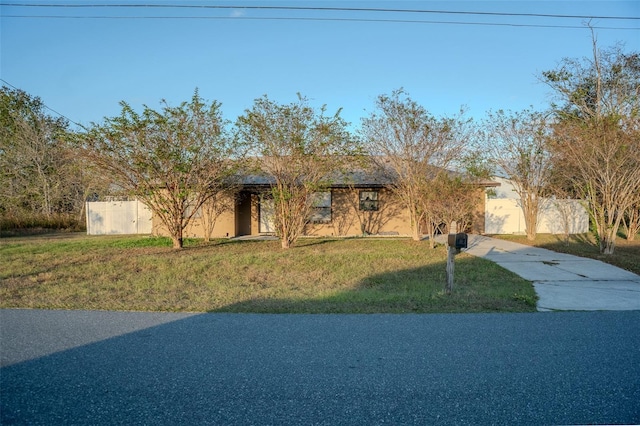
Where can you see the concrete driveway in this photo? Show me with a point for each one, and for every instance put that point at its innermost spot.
(562, 281)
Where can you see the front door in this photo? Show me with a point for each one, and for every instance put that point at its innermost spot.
(267, 215)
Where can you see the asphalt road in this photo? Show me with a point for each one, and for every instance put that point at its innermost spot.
(65, 367)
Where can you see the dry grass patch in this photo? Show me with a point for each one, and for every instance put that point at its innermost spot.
(317, 276)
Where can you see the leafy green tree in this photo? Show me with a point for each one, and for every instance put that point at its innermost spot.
(299, 149)
(173, 160)
(596, 145)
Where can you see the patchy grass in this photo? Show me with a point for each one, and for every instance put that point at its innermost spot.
(626, 254)
(316, 276)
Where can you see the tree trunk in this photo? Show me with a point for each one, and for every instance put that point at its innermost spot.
(177, 242)
(607, 227)
(530, 209)
(531, 231)
(432, 234)
(176, 239)
(607, 237)
(415, 225)
(607, 245)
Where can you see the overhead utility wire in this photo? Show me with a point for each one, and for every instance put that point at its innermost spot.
(335, 9)
(45, 105)
(317, 19)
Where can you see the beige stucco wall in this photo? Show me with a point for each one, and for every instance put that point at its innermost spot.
(477, 227)
(225, 225)
(346, 218)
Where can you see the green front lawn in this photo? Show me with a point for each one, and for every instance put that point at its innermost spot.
(316, 276)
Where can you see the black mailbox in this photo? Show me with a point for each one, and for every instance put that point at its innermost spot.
(458, 240)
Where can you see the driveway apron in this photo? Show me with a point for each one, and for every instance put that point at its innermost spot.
(562, 281)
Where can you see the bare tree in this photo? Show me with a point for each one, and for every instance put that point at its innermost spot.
(517, 144)
(601, 161)
(413, 147)
(299, 148)
(42, 185)
(173, 160)
(40, 180)
(453, 199)
(596, 145)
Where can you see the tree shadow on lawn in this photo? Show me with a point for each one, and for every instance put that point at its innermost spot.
(480, 286)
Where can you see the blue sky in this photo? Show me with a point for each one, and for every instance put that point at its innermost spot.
(84, 64)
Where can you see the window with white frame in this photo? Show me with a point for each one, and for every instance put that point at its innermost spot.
(321, 207)
(369, 201)
(189, 210)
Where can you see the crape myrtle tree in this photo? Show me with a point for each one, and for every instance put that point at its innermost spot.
(300, 149)
(173, 160)
(414, 148)
(456, 196)
(516, 143)
(596, 144)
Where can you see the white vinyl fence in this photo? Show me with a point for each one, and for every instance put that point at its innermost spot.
(118, 217)
(504, 216)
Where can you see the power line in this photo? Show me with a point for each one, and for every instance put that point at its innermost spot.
(310, 8)
(45, 105)
(408, 21)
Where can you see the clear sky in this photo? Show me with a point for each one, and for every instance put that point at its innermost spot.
(81, 61)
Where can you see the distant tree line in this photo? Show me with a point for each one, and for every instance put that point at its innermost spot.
(179, 159)
(43, 181)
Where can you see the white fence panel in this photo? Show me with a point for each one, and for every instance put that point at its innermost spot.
(504, 216)
(118, 217)
(563, 216)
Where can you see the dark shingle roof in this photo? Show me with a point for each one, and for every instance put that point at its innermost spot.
(377, 175)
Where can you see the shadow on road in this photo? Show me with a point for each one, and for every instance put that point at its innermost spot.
(324, 369)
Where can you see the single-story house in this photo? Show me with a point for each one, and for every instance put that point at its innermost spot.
(357, 204)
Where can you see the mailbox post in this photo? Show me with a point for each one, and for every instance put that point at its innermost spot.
(456, 241)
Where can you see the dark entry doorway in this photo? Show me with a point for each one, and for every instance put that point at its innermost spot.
(243, 214)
